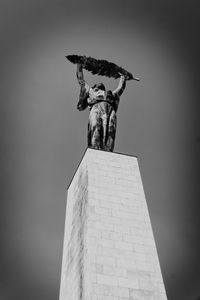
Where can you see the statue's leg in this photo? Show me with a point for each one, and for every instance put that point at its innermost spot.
(111, 131)
(95, 132)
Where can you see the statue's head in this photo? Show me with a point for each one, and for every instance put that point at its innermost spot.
(99, 86)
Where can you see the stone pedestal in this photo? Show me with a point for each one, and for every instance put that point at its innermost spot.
(109, 250)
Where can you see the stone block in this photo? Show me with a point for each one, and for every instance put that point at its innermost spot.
(109, 252)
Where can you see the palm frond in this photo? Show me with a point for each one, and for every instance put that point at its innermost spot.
(100, 67)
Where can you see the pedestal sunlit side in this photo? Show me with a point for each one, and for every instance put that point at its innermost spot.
(109, 250)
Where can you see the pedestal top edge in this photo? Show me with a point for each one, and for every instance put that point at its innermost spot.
(95, 150)
(118, 153)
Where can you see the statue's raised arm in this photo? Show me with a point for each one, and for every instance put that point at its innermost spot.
(79, 74)
(82, 103)
(121, 86)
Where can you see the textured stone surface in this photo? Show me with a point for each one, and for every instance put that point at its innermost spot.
(109, 251)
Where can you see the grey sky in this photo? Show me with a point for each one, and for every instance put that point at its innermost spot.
(43, 135)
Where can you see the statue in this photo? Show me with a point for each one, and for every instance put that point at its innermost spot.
(102, 103)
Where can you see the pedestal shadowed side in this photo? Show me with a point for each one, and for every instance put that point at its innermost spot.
(109, 251)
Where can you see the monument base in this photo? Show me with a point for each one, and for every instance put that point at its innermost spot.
(109, 251)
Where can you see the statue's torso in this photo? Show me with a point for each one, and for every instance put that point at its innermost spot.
(105, 100)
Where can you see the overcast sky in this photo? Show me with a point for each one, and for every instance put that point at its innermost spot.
(43, 136)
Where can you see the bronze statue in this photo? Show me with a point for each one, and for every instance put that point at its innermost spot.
(102, 103)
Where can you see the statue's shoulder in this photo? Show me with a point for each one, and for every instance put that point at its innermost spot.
(110, 93)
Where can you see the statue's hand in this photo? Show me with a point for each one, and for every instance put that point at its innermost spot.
(81, 62)
(79, 67)
(123, 76)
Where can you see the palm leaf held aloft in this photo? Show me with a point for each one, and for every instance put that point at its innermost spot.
(100, 67)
